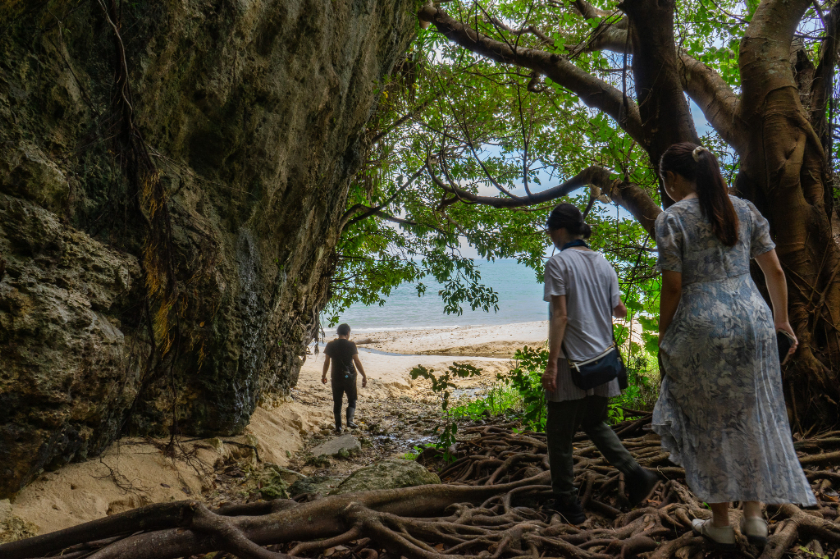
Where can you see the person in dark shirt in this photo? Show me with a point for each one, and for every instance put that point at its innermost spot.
(344, 357)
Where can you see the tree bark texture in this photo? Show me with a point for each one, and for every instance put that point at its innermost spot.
(785, 173)
(663, 108)
(251, 116)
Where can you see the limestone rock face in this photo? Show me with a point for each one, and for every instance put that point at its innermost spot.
(388, 474)
(67, 373)
(253, 112)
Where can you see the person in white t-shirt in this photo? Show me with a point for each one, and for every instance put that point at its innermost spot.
(581, 288)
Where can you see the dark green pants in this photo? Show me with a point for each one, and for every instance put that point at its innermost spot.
(563, 421)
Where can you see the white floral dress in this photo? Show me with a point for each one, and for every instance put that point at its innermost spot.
(721, 411)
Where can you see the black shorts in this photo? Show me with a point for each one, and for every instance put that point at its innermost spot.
(344, 385)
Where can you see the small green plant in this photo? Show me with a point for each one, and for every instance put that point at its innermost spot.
(413, 455)
(442, 385)
(643, 386)
(526, 379)
(500, 399)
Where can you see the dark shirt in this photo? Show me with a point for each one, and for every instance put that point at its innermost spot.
(341, 354)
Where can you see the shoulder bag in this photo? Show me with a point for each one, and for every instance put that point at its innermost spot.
(598, 370)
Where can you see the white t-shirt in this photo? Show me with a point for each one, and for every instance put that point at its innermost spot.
(590, 285)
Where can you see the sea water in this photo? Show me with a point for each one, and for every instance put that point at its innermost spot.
(520, 300)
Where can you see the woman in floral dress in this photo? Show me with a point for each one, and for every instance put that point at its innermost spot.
(721, 411)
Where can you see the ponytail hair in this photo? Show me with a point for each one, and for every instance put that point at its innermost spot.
(697, 164)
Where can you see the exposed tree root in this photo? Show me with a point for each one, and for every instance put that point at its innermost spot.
(492, 506)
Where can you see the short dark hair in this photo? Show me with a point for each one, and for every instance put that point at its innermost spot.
(343, 330)
(568, 216)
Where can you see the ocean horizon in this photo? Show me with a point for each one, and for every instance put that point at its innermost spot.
(520, 300)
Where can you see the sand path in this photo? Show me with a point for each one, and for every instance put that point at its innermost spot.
(135, 472)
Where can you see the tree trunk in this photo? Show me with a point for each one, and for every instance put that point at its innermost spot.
(663, 108)
(784, 171)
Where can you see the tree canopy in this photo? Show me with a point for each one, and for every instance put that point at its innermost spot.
(501, 108)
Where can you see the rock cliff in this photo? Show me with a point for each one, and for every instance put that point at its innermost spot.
(252, 113)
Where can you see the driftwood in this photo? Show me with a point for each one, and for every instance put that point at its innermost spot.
(491, 506)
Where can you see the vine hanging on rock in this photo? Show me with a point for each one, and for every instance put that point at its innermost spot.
(149, 198)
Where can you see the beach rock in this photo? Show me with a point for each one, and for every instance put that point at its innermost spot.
(289, 477)
(274, 484)
(315, 485)
(388, 474)
(345, 444)
(255, 115)
(13, 528)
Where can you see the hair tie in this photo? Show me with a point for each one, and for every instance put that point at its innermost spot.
(696, 153)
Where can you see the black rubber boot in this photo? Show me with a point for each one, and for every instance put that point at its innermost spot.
(350, 413)
(640, 484)
(569, 509)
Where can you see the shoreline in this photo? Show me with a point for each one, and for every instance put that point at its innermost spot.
(364, 330)
(496, 340)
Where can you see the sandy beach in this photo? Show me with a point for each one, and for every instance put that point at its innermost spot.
(135, 472)
(485, 341)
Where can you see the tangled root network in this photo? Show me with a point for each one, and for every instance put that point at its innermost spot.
(491, 505)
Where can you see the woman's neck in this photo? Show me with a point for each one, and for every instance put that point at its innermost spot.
(564, 239)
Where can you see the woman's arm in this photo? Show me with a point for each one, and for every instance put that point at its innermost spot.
(669, 299)
(774, 277)
(556, 331)
(620, 311)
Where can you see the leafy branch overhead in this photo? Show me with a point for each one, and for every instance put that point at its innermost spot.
(503, 107)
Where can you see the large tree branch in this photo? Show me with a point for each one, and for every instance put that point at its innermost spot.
(823, 83)
(705, 86)
(638, 202)
(592, 91)
(630, 196)
(715, 98)
(663, 107)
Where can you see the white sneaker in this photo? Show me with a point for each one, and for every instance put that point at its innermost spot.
(756, 531)
(723, 536)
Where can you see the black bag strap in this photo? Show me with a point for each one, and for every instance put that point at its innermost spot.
(348, 366)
